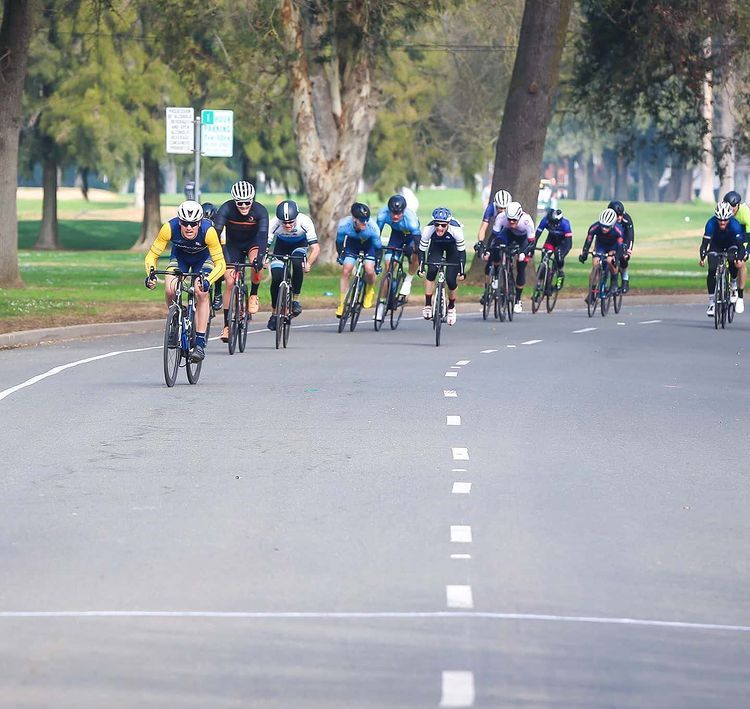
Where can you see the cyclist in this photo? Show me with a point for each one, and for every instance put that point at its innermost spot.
(559, 239)
(515, 226)
(741, 213)
(498, 205)
(405, 234)
(625, 222)
(294, 232)
(195, 248)
(609, 243)
(442, 237)
(246, 240)
(722, 233)
(355, 233)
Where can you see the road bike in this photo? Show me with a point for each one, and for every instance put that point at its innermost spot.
(390, 299)
(440, 297)
(549, 282)
(283, 309)
(603, 287)
(238, 317)
(179, 331)
(355, 295)
(506, 297)
(723, 305)
(493, 298)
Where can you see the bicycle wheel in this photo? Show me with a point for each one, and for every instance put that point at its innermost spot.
(280, 312)
(511, 299)
(594, 293)
(717, 297)
(539, 287)
(233, 319)
(486, 299)
(554, 291)
(437, 312)
(244, 320)
(359, 298)
(384, 299)
(172, 355)
(193, 369)
(606, 293)
(287, 315)
(501, 295)
(617, 297)
(730, 306)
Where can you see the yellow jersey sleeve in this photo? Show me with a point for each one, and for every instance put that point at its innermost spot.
(157, 247)
(743, 216)
(217, 255)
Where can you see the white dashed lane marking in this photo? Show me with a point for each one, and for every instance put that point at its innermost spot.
(460, 556)
(512, 347)
(461, 488)
(459, 597)
(453, 420)
(461, 533)
(451, 374)
(450, 393)
(460, 453)
(487, 351)
(462, 362)
(649, 322)
(458, 470)
(457, 689)
(585, 329)
(531, 342)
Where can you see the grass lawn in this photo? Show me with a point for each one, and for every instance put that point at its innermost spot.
(95, 277)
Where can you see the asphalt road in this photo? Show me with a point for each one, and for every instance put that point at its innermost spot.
(325, 526)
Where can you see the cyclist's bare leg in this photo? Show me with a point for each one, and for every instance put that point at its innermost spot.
(170, 286)
(255, 276)
(369, 272)
(413, 263)
(229, 278)
(346, 273)
(594, 269)
(201, 309)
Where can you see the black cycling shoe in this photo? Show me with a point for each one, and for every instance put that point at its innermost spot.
(625, 286)
(296, 308)
(198, 354)
(271, 323)
(218, 302)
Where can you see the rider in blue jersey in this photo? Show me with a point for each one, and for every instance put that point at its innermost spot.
(405, 234)
(358, 232)
(559, 238)
(494, 209)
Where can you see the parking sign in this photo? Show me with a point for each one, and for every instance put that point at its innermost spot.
(217, 133)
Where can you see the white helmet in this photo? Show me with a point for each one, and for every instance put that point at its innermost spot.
(723, 211)
(502, 199)
(190, 211)
(243, 191)
(608, 217)
(514, 210)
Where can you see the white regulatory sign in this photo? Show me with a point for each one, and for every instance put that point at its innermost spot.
(217, 133)
(180, 130)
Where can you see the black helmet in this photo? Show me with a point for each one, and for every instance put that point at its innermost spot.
(554, 216)
(360, 211)
(618, 206)
(209, 210)
(734, 198)
(397, 204)
(287, 210)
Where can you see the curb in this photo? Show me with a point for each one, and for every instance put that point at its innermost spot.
(30, 338)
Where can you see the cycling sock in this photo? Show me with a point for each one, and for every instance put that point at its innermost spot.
(518, 294)
(254, 288)
(739, 292)
(451, 303)
(226, 317)
(428, 300)
(409, 277)
(625, 276)
(200, 339)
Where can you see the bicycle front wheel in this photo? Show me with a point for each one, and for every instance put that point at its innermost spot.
(280, 312)
(554, 290)
(486, 300)
(540, 286)
(233, 319)
(244, 320)
(348, 302)
(593, 295)
(359, 298)
(501, 295)
(172, 354)
(511, 299)
(437, 311)
(606, 293)
(384, 296)
(192, 369)
(287, 316)
(617, 297)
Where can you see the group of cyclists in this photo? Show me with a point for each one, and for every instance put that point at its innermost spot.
(194, 237)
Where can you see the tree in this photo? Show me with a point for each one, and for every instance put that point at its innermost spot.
(15, 35)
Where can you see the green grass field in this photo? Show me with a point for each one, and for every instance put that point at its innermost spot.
(95, 266)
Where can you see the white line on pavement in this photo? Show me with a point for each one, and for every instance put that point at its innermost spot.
(461, 488)
(451, 374)
(462, 362)
(453, 420)
(455, 366)
(373, 615)
(460, 453)
(585, 329)
(531, 342)
(512, 347)
(459, 597)
(457, 689)
(458, 470)
(461, 533)
(649, 322)
(620, 323)
(487, 351)
(450, 393)
(460, 556)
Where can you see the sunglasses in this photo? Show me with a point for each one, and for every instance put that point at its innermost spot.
(190, 224)
(443, 225)
(512, 221)
(243, 204)
(723, 221)
(287, 222)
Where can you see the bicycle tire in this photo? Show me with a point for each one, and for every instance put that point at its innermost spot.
(383, 301)
(617, 297)
(730, 305)
(172, 355)
(437, 312)
(232, 319)
(192, 369)
(717, 297)
(606, 297)
(486, 298)
(280, 313)
(359, 298)
(591, 303)
(554, 292)
(244, 320)
(398, 307)
(511, 299)
(540, 286)
(287, 316)
(501, 295)
(724, 299)
(347, 304)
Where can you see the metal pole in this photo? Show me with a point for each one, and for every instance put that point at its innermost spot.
(197, 152)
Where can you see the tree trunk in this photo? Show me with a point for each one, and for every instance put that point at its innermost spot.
(727, 129)
(15, 32)
(151, 202)
(621, 179)
(706, 193)
(48, 232)
(536, 72)
(333, 110)
(590, 178)
(572, 183)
